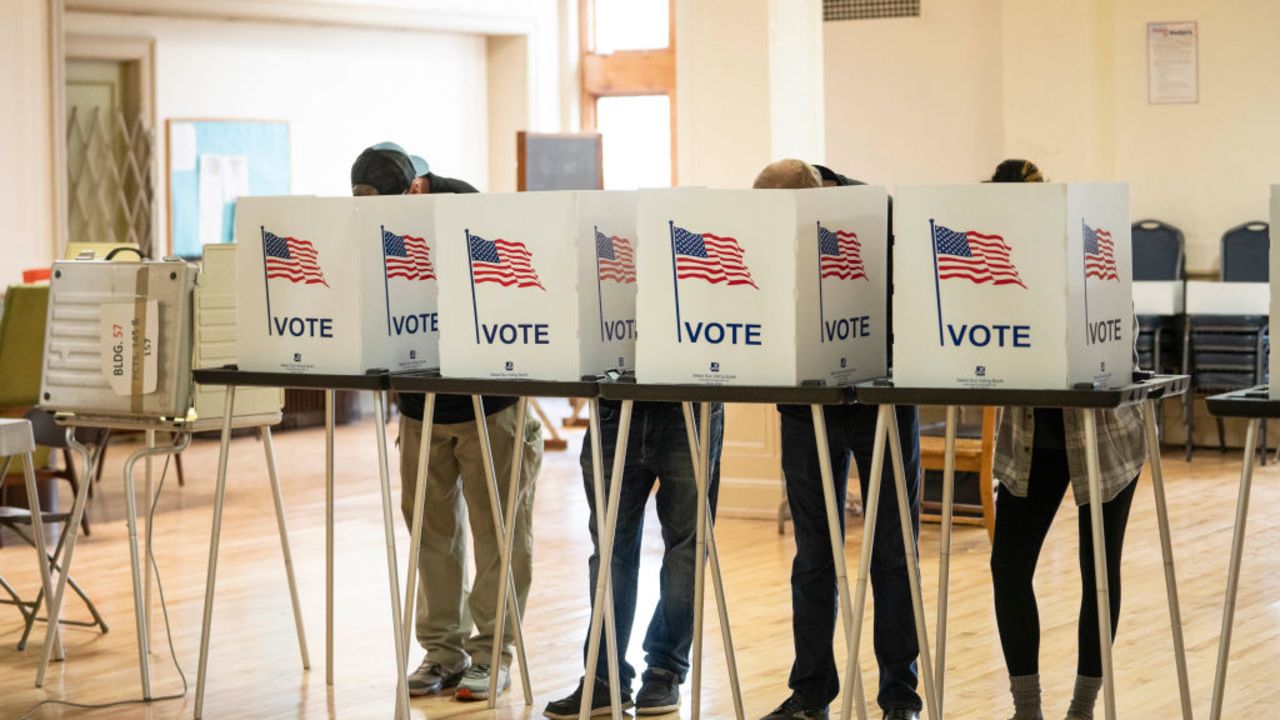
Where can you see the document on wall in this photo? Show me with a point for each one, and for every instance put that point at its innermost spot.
(1173, 64)
(223, 178)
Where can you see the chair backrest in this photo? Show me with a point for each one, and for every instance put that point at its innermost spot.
(1245, 253)
(22, 344)
(1158, 251)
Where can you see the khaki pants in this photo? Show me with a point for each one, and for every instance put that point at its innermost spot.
(456, 475)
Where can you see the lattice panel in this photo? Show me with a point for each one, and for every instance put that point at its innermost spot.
(111, 188)
(868, 9)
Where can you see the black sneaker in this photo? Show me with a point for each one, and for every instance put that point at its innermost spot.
(793, 709)
(902, 714)
(432, 677)
(660, 693)
(570, 708)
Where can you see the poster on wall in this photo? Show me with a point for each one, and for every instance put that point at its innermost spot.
(1173, 63)
(211, 163)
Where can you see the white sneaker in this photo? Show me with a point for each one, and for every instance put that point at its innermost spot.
(475, 684)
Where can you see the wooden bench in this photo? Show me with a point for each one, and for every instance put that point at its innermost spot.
(973, 455)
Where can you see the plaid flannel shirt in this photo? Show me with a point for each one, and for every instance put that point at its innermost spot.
(1122, 446)
(1122, 449)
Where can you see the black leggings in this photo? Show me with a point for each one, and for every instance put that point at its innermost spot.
(1021, 526)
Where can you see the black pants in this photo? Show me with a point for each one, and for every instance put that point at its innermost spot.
(850, 432)
(1021, 526)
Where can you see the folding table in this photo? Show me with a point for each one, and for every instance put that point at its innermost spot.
(629, 392)
(1145, 389)
(181, 429)
(1254, 404)
(375, 382)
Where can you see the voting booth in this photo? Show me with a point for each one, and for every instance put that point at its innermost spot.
(1013, 286)
(762, 287)
(538, 286)
(336, 285)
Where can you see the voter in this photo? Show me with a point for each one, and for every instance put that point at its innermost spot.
(456, 488)
(657, 453)
(1040, 452)
(814, 679)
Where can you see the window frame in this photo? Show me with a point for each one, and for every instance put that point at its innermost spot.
(625, 72)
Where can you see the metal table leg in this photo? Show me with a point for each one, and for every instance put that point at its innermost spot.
(393, 573)
(604, 576)
(871, 512)
(699, 574)
(495, 506)
(148, 491)
(944, 553)
(1099, 561)
(274, 477)
(506, 548)
(700, 451)
(419, 509)
(72, 534)
(913, 565)
(603, 601)
(836, 532)
(1233, 571)
(329, 423)
(135, 558)
(219, 495)
(37, 529)
(1166, 549)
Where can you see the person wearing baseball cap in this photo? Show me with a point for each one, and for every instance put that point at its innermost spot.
(457, 659)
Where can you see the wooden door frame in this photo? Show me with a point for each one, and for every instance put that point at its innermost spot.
(139, 55)
(626, 72)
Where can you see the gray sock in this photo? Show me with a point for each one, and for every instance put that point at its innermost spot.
(1026, 697)
(1084, 698)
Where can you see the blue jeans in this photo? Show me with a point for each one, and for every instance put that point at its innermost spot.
(850, 431)
(657, 450)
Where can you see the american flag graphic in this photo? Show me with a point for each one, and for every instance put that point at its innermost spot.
(840, 255)
(1099, 254)
(502, 261)
(407, 257)
(974, 257)
(704, 256)
(615, 258)
(292, 259)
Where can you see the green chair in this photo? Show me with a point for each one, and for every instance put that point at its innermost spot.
(22, 327)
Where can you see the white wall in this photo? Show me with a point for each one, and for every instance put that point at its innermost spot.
(944, 97)
(915, 100)
(26, 181)
(340, 89)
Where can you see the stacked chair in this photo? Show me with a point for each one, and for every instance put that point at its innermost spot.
(1222, 353)
(1158, 254)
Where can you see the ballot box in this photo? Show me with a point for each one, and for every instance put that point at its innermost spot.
(1013, 286)
(762, 287)
(1165, 298)
(537, 286)
(336, 285)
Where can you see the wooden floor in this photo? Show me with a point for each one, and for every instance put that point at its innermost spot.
(255, 669)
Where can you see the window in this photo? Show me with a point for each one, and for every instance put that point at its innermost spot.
(628, 88)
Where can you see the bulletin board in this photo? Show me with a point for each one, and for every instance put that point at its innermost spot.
(559, 161)
(211, 162)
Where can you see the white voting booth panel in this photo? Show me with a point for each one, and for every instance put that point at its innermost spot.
(1209, 297)
(762, 287)
(336, 285)
(215, 343)
(1013, 285)
(1159, 297)
(536, 285)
